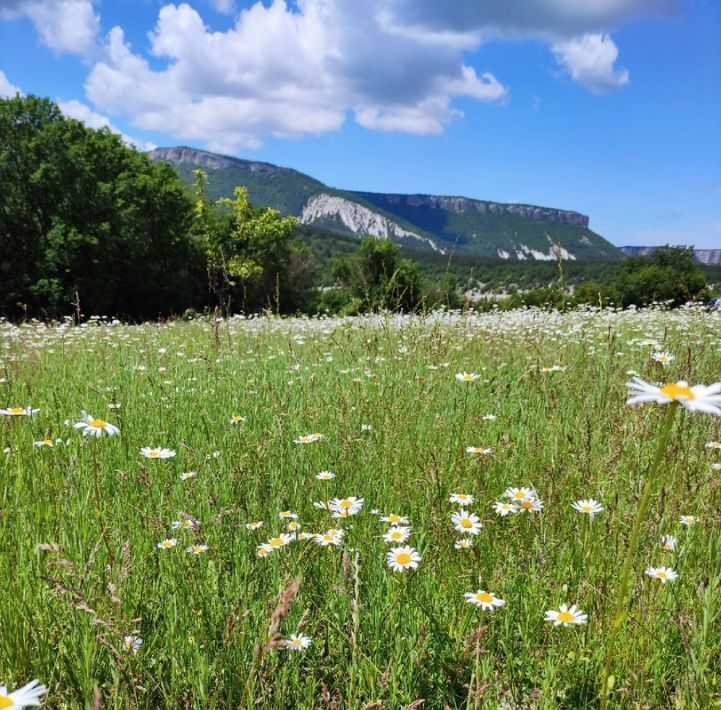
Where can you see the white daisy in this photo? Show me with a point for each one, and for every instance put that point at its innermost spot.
(699, 398)
(663, 358)
(27, 696)
(486, 600)
(461, 498)
(96, 427)
(403, 558)
(159, 453)
(132, 644)
(296, 642)
(397, 534)
(669, 542)
(503, 509)
(663, 574)
(466, 523)
(566, 616)
(19, 412)
(467, 376)
(589, 507)
(325, 475)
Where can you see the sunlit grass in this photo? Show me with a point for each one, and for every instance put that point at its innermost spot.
(80, 521)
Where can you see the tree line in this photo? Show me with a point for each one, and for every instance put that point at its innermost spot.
(90, 225)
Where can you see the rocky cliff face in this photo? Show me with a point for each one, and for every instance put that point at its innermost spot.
(465, 204)
(209, 161)
(357, 219)
(703, 256)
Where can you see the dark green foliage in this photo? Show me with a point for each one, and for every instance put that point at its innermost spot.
(377, 278)
(83, 215)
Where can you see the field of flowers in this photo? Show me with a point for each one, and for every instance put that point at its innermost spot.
(380, 512)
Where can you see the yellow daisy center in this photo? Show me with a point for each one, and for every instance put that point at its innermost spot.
(346, 503)
(396, 534)
(154, 455)
(565, 616)
(12, 410)
(466, 523)
(97, 423)
(394, 518)
(484, 597)
(403, 558)
(661, 574)
(167, 544)
(519, 495)
(6, 702)
(586, 508)
(676, 391)
(277, 542)
(527, 504)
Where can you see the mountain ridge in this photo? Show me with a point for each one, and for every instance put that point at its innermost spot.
(439, 223)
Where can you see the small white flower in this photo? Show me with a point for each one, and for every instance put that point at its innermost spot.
(699, 398)
(466, 523)
(688, 520)
(96, 427)
(663, 574)
(196, 549)
(167, 544)
(669, 542)
(159, 453)
(397, 534)
(403, 558)
(566, 616)
(465, 543)
(325, 475)
(503, 509)
(27, 696)
(132, 644)
(461, 498)
(296, 642)
(589, 507)
(467, 376)
(486, 600)
(663, 358)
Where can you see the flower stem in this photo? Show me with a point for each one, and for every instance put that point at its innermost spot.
(620, 607)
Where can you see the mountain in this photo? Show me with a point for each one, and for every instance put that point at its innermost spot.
(710, 257)
(428, 223)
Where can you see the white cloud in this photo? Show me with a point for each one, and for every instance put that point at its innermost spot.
(287, 71)
(589, 60)
(7, 89)
(65, 26)
(92, 119)
(227, 7)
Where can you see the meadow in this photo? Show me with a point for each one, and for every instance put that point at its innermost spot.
(136, 572)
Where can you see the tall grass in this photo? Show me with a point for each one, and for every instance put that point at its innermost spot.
(81, 570)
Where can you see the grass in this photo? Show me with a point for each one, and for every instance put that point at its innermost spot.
(80, 522)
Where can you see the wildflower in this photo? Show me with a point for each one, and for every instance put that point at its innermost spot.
(308, 438)
(503, 509)
(486, 600)
(167, 544)
(321, 504)
(196, 549)
(293, 525)
(465, 522)
(401, 558)
(18, 412)
(157, 453)
(465, 543)
(254, 526)
(237, 419)
(534, 505)
(487, 451)
(188, 474)
(44, 443)
(713, 445)
(397, 534)
(590, 507)
(28, 695)
(345, 507)
(96, 427)
(462, 498)
(366, 427)
(716, 466)
(132, 644)
(566, 616)
(296, 642)
(264, 550)
(663, 574)
(186, 524)
(287, 515)
(334, 536)
(688, 520)
(518, 495)
(699, 398)
(488, 418)
(663, 358)
(669, 542)
(467, 376)
(280, 541)
(395, 519)
(325, 475)
(552, 368)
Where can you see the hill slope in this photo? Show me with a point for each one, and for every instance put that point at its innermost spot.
(420, 222)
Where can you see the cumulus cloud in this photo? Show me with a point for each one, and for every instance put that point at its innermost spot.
(590, 61)
(7, 88)
(93, 119)
(65, 26)
(287, 71)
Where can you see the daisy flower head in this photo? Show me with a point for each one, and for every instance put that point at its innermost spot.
(293, 525)
(488, 418)
(264, 550)
(466, 523)
(254, 525)
(296, 642)
(699, 398)
(44, 443)
(287, 515)
(308, 438)
(325, 475)
(504, 509)
(186, 524)
(465, 543)
(517, 495)
(167, 544)
(668, 543)
(532, 505)
(27, 696)
(663, 358)
(461, 498)
(237, 419)
(196, 549)
(403, 558)
(395, 519)
(19, 412)
(486, 451)
(663, 574)
(345, 507)
(132, 644)
(280, 541)
(96, 427)
(566, 616)
(334, 537)
(485, 600)
(188, 474)
(397, 534)
(552, 368)
(714, 445)
(467, 376)
(159, 453)
(589, 507)
(688, 520)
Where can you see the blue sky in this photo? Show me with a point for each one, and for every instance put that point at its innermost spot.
(608, 107)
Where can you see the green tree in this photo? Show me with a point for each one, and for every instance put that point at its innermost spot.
(377, 278)
(85, 216)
